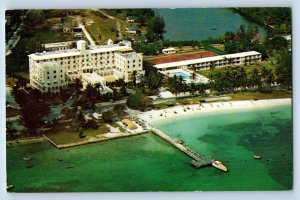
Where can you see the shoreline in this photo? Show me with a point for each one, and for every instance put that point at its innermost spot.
(176, 112)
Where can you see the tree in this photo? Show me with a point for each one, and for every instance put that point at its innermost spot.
(134, 78)
(80, 134)
(194, 75)
(138, 101)
(155, 29)
(284, 70)
(212, 65)
(255, 78)
(277, 43)
(78, 85)
(108, 116)
(10, 129)
(32, 113)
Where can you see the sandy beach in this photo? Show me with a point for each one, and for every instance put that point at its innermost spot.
(198, 109)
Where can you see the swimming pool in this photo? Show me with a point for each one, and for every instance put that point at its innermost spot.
(183, 75)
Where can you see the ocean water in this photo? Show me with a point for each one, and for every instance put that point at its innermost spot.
(148, 163)
(200, 23)
(235, 137)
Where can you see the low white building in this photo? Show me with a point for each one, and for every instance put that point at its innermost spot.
(48, 77)
(169, 50)
(214, 61)
(58, 46)
(99, 59)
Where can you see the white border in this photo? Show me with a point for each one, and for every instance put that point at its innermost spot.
(22, 4)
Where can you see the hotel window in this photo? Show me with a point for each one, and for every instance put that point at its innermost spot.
(54, 76)
(48, 77)
(54, 71)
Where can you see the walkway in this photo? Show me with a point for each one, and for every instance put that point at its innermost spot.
(198, 160)
(87, 34)
(104, 13)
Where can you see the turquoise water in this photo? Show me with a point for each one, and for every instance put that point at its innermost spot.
(148, 163)
(234, 137)
(200, 23)
(183, 75)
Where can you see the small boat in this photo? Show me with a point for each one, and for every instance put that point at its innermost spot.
(59, 159)
(213, 28)
(219, 165)
(69, 166)
(26, 158)
(30, 165)
(257, 157)
(9, 187)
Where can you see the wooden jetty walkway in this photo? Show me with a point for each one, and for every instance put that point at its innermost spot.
(198, 160)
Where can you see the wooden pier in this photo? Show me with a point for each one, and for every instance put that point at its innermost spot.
(198, 160)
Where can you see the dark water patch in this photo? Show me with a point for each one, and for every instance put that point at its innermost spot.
(279, 160)
(218, 139)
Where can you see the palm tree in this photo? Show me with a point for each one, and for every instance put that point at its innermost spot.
(180, 79)
(234, 79)
(194, 75)
(270, 79)
(201, 89)
(264, 74)
(255, 78)
(134, 78)
(242, 77)
(192, 88)
(212, 65)
(227, 81)
(78, 85)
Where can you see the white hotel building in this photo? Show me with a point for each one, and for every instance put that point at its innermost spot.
(52, 71)
(216, 61)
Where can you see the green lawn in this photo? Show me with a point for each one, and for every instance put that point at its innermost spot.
(60, 134)
(218, 46)
(276, 94)
(101, 26)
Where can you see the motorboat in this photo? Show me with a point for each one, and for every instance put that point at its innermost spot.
(219, 165)
(26, 158)
(257, 157)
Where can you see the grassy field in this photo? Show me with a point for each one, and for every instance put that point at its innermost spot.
(62, 134)
(218, 46)
(101, 28)
(276, 94)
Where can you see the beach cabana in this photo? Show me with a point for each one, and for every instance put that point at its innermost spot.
(130, 125)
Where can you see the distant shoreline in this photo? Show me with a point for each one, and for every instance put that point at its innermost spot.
(177, 112)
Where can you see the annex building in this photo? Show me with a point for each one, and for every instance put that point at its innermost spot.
(215, 61)
(51, 71)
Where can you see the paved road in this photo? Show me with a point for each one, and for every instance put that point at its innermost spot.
(104, 13)
(14, 39)
(87, 35)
